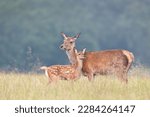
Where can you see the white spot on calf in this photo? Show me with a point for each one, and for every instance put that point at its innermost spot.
(67, 72)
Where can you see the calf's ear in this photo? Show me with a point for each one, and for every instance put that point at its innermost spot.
(76, 51)
(83, 51)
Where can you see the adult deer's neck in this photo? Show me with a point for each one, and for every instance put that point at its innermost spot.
(71, 55)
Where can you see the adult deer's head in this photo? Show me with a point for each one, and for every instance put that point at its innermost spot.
(69, 42)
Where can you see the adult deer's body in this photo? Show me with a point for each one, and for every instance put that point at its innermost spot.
(115, 62)
(66, 72)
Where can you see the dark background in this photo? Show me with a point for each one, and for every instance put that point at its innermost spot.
(30, 29)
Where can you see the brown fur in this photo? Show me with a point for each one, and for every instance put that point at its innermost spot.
(105, 62)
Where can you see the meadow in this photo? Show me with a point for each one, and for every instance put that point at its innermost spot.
(31, 86)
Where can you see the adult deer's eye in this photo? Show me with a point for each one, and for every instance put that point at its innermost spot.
(71, 42)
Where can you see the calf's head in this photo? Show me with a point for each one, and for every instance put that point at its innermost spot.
(81, 54)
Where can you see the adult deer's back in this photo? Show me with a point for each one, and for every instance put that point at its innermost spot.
(115, 62)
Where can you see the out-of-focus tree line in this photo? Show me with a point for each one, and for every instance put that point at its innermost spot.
(30, 29)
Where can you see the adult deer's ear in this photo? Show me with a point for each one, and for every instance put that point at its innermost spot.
(83, 51)
(63, 34)
(77, 36)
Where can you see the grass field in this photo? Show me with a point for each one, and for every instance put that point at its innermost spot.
(34, 86)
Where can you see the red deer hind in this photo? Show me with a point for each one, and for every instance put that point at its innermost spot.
(104, 62)
(67, 72)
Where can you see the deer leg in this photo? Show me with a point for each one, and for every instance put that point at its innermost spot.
(124, 74)
(56, 78)
(90, 76)
(49, 81)
(123, 77)
(52, 79)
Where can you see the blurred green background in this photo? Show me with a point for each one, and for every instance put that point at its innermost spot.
(30, 29)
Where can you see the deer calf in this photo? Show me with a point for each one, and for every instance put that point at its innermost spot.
(66, 72)
(105, 62)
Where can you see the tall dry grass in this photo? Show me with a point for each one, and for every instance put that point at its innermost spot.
(34, 86)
